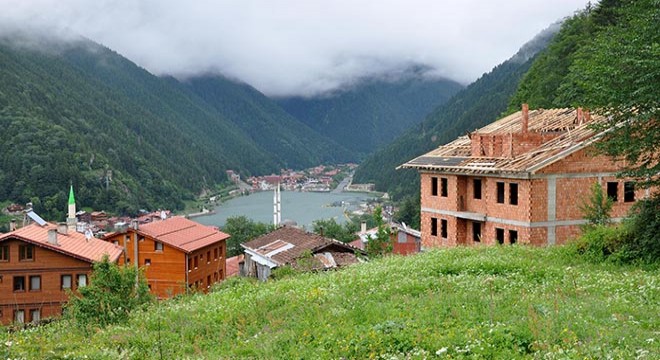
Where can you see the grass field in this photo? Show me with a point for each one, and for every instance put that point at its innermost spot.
(487, 302)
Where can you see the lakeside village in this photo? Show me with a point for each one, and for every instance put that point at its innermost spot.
(514, 181)
(44, 263)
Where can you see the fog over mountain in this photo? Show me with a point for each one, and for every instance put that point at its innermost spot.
(298, 47)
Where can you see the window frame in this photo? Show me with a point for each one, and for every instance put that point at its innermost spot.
(443, 228)
(5, 253)
(81, 276)
(513, 193)
(30, 288)
(476, 231)
(499, 235)
(629, 191)
(62, 276)
(158, 246)
(21, 288)
(612, 190)
(477, 189)
(513, 236)
(434, 226)
(444, 187)
(500, 192)
(434, 186)
(24, 250)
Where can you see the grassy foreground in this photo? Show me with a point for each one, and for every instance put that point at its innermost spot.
(495, 302)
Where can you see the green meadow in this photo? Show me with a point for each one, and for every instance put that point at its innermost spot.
(475, 303)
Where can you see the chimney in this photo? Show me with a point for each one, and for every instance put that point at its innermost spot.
(12, 225)
(587, 116)
(62, 228)
(363, 227)
(135, 225)
(52, 236)
(525, 118)
(580, 116)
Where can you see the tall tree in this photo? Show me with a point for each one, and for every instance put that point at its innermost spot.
(617, 75)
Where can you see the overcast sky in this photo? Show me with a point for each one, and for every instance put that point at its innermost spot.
(300, 47)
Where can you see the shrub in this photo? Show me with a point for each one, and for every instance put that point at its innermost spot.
(637, 240)
(110, 296)
(597, 207)
(643, 242)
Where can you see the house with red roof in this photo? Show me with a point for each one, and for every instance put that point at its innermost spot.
(39, 263)
(176, 254)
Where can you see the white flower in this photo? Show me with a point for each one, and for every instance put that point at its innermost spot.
(441, 351)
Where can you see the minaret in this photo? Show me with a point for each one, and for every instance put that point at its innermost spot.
(71, 218)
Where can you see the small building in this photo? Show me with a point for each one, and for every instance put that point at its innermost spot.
(176, 254)
(405, 241)
(39, 263)
(286, 245)
(521, 179)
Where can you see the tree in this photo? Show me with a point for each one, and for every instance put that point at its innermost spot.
(110, 296)
(616, 74)
(409, 211)
(242, 230)
(381, 243)
(332, 229)
(597, 208)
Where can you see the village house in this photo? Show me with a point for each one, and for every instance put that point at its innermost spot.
(39, 263)
(405, 241)
(176, 254)
(521, 179)
(287, 245)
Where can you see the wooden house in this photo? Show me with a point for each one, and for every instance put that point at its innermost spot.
(39, 263)
(176, 254)
(521, 179)
(286, 245)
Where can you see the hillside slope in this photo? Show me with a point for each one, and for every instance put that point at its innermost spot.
(475, 106)
(374, 112)
(282, 136)
(478, 303)
(77, 112)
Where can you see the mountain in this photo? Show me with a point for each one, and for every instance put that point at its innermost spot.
(475, 106)
(76, 112)
(374, 111)
(282, 136)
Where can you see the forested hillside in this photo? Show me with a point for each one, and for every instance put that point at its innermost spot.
(77, 112)
(285, 138)
(477, 105)
(375, 111)
(607, 59)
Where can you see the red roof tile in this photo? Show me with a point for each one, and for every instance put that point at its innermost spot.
(232, 265)
(182, 233)
(73, 244)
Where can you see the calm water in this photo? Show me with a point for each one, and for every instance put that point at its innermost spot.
(302, 207)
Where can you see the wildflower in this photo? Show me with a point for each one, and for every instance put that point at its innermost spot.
(441, 351)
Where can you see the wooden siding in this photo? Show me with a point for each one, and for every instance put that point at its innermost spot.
(167, 274)
(47, 264)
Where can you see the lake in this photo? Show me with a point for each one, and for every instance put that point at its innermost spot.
(301, 207)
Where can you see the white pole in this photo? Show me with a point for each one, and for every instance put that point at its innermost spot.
(275, 207)
(279, 204)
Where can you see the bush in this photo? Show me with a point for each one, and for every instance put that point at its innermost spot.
(643, 242)
(110, 296)
(637, 240)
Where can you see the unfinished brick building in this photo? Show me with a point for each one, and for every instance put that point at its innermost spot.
(520, 179)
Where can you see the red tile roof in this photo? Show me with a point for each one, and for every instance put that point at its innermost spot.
(182, 233)
(73, 244)
(232, 265)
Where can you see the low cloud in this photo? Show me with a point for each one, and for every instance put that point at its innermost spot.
(299, 47)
